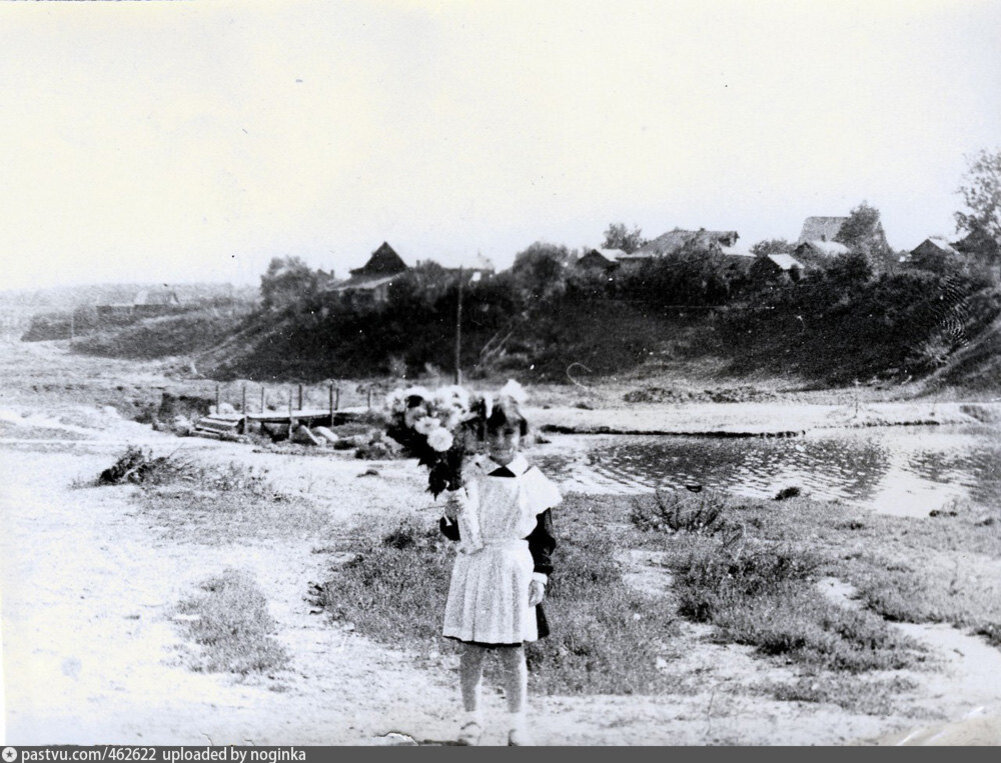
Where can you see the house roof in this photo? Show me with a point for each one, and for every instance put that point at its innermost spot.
(942, 243)
(674, 240)
(785, 261)
(821, 228)
(600, 257)
(737, 250)
(384, 261)
(829, 248)
(365, 283)
(156, 297)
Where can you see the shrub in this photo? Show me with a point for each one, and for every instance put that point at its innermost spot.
(703, 512)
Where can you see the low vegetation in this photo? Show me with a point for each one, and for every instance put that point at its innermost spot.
(749, 569)
(229, 619)
(608, 638)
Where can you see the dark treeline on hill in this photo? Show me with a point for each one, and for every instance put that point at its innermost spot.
(834, 325)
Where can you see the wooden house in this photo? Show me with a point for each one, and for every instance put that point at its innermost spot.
(599, 260)
(677, 241)
(370, 283)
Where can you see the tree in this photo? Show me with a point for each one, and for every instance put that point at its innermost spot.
(288, 280)
(771, 246)
(542, 268)
(617, 236)
(863, 233)
(981, 194)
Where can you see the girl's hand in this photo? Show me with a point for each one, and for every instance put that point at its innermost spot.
(453, 503)
(536, 592)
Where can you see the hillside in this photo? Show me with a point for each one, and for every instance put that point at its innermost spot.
(563, 339)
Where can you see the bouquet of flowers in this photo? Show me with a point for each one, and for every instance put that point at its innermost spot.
(439, 428)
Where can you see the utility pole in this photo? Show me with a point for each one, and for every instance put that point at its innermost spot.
(458, 332)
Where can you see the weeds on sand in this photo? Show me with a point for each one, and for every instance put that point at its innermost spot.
(857, 695)
(230, 620)
(763, 595)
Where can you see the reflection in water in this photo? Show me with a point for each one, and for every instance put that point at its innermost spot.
(900, 470)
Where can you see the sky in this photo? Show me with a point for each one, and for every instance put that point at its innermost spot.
(193, 141)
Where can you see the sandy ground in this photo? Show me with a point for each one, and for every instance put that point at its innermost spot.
(91, 653)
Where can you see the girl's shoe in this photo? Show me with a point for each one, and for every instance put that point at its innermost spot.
(469, 734)
(518, 737)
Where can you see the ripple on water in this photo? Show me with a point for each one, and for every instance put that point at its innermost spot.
(898, 470)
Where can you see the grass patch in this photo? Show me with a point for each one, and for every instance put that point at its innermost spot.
(229, 619)
(764, 595)
(606, 637)
(869, 696)
(214, 503)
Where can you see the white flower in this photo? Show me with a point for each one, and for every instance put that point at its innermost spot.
(422, 392)
(426, 425)
(453, 420)
(452, 396)
(513, 391)
(440, 439)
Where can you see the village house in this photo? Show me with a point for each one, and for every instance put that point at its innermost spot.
(676, 241)
(777, 266)
(369, 284)
(817, 251)
(599, 260)
(147, 303)
(937, 252)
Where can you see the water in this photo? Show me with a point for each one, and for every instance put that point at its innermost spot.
(906, 471)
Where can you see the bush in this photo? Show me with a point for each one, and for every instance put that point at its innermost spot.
(676, 511)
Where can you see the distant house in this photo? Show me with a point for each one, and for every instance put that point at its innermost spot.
(935, 253)
(676, 241)
(818, 251)
(599, 260)
(821, 229)
(823, 232)
(152, 302)
(369, 284)
(146, 304)
(772, 266)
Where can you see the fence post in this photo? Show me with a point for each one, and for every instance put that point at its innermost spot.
(217, 399)
(370, 398)
(337, 399)
(300, 397)
(290, 426)
(330, 402)
(262, 398)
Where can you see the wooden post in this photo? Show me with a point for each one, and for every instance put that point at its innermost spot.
(370, 398)
(458, 332)
(217, 398)
(262, 398)
(291, 428)
(300, 397)
(330, 402)
(337, 398)
(243, 410)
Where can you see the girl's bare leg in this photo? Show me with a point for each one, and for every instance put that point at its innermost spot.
(515, 677)
(471, 676)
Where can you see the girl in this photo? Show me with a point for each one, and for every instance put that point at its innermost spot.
(501, 519)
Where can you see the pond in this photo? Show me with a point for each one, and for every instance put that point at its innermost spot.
(906, 471)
